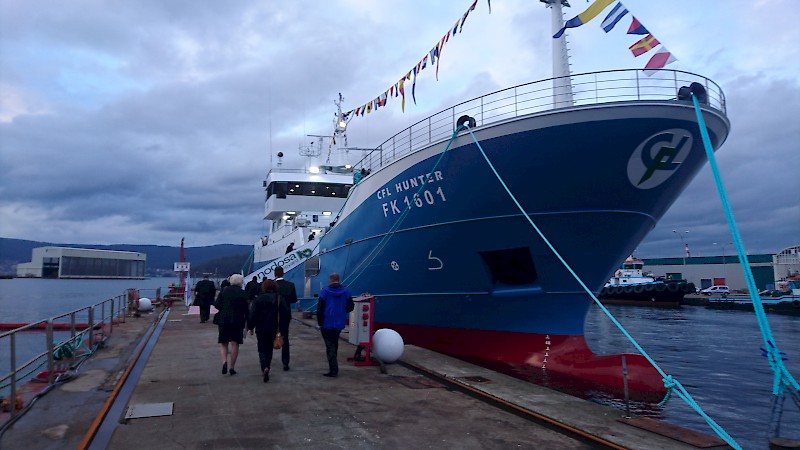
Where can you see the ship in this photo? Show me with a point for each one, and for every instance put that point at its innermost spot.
(630, 286)
(594, 159)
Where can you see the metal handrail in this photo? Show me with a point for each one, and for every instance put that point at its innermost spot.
(117, 307)
(591, 88)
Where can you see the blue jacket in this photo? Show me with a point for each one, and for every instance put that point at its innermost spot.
(334, 303)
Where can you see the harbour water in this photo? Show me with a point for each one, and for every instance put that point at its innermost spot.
(715, 354)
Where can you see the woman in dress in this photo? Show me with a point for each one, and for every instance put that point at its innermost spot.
(231, 319)
(264, 319)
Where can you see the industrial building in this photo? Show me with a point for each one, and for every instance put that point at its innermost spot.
(66, 262)
(709, 271)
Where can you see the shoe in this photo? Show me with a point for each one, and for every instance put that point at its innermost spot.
(233, 372)
(266, 375)
(225, 368)
(330, 375)
(285, 368)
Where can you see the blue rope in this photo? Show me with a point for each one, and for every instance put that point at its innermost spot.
(670, 383)
(782, 376)
(361, 267)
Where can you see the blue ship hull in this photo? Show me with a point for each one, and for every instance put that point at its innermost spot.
(464, 266)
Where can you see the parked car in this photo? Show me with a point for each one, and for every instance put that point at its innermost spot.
(716, 290)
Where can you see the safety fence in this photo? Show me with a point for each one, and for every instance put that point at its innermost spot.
(67, 335)
(591, 88)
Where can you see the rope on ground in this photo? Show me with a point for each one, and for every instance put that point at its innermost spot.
(782, 379)
(672, 385)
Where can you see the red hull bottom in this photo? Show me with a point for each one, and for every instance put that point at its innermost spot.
(555, 360)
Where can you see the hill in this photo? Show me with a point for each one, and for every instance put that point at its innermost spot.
(160, 258)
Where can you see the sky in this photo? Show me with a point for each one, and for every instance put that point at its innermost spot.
(145, 122)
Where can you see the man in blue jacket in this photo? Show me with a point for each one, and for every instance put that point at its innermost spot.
(334, 303)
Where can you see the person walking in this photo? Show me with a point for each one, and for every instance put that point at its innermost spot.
(253, 288)
(287, 295)
(204, 293)
(334, 303)
(263, 319)
(231, 319)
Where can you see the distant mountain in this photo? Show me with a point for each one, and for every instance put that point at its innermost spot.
(160, 258)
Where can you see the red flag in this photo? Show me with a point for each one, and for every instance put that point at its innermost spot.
(658, 61)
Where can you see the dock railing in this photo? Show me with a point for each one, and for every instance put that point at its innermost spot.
(591, 88)
(81, 324)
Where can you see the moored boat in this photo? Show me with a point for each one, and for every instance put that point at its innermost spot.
(630, 286)
(453, 263)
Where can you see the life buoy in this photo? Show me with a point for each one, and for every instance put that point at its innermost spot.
(619, 273)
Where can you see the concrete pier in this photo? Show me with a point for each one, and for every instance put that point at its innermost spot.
(426, 402)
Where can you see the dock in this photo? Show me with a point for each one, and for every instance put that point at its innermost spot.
(427, 400)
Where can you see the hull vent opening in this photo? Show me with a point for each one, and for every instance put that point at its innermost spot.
(512, 267)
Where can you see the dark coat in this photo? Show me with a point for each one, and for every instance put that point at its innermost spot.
(264, 319)
(253, 288)
(232, 306)
(204, 292)
(288, 295)
(334, 303)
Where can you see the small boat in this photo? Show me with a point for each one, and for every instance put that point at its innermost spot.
(630, 286)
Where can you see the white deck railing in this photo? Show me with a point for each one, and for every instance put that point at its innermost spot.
(587, 89)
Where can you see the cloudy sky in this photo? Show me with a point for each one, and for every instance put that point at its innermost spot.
(144, 122)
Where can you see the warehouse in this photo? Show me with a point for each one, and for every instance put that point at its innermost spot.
(65, 262)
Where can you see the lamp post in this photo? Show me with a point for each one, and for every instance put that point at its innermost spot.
(683, 244)
(724, 267)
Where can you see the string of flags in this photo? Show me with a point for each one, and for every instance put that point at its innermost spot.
(660, 58)
(430, 59)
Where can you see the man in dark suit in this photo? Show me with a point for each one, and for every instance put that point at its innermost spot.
(287, 295)
(204, 293)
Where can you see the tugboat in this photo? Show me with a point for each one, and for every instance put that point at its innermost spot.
(629, 286)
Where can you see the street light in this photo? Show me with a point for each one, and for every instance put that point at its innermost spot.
(683, 244)
(724, 267)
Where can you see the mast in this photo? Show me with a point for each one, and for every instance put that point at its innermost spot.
(182, 259)
(562, 84)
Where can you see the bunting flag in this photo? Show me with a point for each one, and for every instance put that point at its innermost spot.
(644, 45)
(414, 87)
(435, 54)
(658, 61)
(613, 17)
(402, 90)
(591, 12)
(439, 49)
(637, 28)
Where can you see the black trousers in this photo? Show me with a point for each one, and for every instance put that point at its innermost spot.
(283, 328)
(205, 311)
(331, 338)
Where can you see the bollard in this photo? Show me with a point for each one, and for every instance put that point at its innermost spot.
(625, 386)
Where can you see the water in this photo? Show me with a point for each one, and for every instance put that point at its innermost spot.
(26, 300)
(715, 354)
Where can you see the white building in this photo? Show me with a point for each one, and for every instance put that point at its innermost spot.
(65, 262)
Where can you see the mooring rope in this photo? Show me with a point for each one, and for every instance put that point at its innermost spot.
(396, 225)
(781, 376)
(670, 383)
